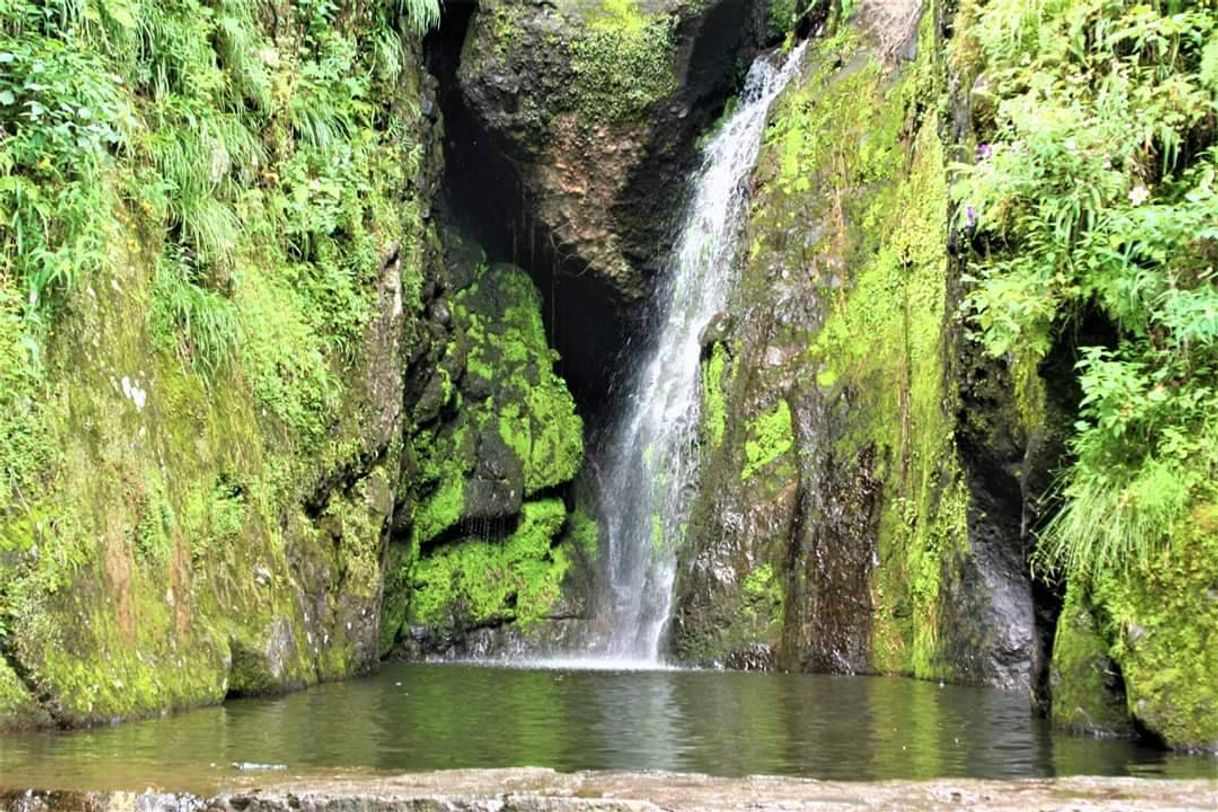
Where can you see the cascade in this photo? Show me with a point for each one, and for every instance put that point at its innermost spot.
(652, 454)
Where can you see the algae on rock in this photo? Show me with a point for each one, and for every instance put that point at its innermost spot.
(202, 413)
(838, 469)
(497, 435)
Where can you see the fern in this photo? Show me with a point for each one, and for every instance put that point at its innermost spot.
(1095, 190)
(422, 15)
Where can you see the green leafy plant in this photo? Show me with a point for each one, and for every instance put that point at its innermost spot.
(1095, 192)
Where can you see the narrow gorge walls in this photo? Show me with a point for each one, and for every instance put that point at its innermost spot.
(213, 276)
(307, 356)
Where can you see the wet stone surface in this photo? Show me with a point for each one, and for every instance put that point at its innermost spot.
(539, 789)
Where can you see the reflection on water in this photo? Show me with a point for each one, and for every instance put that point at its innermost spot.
(424, 717)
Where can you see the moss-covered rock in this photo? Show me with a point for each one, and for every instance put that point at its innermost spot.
(479, 581)
(497, 434)
(204, 507)
(1156, 627)
(837, 469)
(18, 708)
(598, 104)
(1088, 692)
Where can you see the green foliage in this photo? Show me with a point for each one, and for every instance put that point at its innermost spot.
(780, 17)
(25, 443)
(1096, 190)
(199, 197)
(176, 97)
(188, 318)
(715, 372)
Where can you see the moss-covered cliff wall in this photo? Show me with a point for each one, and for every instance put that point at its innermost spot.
(930, 411)
(213, 273)
(237, 362)
(834, 515)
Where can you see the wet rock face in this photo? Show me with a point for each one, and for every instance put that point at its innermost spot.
(834, 469)
(597, 104)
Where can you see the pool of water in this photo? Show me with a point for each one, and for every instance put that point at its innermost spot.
(413, 717)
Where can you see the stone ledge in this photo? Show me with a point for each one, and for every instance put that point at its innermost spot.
(533, 789)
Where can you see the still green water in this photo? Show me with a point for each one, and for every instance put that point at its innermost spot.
(413, 717)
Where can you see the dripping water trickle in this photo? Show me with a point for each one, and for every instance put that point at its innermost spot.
(652, 456)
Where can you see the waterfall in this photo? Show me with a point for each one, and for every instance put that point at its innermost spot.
(652, 456)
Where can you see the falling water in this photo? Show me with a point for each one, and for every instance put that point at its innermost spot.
(653, 455)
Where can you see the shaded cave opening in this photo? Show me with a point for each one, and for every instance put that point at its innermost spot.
(483, 196)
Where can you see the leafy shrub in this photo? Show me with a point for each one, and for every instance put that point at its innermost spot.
(1096, 190)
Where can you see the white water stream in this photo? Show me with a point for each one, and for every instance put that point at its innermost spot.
(652, 457)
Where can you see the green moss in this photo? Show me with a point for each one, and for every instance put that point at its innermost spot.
(214, 366)
(623, 62)
(770, 437)
(501, 319)
(17, 708)
(1087, 692)
(444, 462)
(583, 532)
(854, 149)
(1160, 621)
(25, 443)
(475, 581)
(763, 599)
(715, 371)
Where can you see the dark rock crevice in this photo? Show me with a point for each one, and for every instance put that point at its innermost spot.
(586, 320)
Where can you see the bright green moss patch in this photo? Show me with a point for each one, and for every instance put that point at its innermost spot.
(1160, 621)
(507, 345)
(1087, 693)
(444, 459)
(623, 61)
(505, 431)
(762, 592)
(770, 437)
(502, 343)
(715, 373)
(475, 581)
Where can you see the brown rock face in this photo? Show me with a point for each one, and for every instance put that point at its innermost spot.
(596, 106)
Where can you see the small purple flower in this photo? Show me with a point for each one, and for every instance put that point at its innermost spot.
(984, 152)
(970, 216)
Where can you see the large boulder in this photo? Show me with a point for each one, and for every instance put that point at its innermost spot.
(597, 104)
(483, 536)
